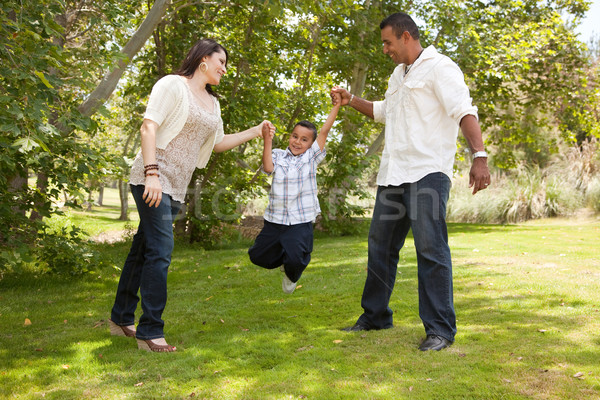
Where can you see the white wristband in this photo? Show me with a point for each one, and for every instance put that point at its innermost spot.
(478, 154)
(351, 98)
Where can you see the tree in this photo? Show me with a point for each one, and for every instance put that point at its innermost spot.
(534, 83)
(54, 52)
(526, 69)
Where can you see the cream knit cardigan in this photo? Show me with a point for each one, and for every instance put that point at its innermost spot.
(169, 106)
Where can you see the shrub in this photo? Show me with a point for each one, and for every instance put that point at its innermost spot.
(63, 252)
(519, 196)
(592, 195)
(570, 182)
(561, 198)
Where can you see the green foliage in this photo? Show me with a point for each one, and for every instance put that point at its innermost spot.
(527, 71)
(53, 54)
(535, 84)
(64, 253)
(341, 178)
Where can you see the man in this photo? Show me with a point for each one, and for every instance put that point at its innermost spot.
(426, 102)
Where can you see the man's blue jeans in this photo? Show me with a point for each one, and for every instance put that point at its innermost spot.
(146, 267)
(420, 206)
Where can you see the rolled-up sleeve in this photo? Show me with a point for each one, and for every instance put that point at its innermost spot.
(453, 92)
(379, 111)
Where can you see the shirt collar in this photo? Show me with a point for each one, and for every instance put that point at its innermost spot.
(428, 52)
(289, 153)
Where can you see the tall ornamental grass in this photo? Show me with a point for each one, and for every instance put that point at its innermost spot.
(570, 182)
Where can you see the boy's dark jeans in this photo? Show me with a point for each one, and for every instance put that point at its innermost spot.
(287, 245)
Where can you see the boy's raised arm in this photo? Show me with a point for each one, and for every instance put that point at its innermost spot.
(322, 138)
(267, 158)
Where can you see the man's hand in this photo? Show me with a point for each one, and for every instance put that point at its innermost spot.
(338, 94)
(479, 176)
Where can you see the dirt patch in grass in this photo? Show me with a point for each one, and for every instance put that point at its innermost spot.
(112, 236)
(249, 227)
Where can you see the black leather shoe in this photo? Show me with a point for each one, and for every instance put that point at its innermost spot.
(434, 342)
(356, 328)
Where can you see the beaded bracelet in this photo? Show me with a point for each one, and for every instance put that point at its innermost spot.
(150, 167)
(156, 174)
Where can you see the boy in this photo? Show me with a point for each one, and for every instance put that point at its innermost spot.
(286, 239)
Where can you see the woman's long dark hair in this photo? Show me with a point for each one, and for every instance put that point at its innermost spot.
(201, 49)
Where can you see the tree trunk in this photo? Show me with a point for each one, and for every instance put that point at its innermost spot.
(18, 184)
(124, 197)
(357, 87)
(139, 38)
(376, 145)
(41, 187)
(89, 202)
(101, 195)
(160, 49)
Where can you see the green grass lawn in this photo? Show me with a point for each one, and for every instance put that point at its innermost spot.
(527, 299)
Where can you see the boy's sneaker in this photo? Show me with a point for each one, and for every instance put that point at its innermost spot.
(287, 285)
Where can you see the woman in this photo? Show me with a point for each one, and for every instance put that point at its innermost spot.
(182, 126)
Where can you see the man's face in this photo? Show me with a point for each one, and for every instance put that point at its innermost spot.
(301, 139)
(393, 46)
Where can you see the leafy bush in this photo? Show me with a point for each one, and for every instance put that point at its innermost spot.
(62, 252)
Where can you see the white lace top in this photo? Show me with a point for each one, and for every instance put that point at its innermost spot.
(178, 160)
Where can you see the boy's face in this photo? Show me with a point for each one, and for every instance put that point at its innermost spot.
(301, 139)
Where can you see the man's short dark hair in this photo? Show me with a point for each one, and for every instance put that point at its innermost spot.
(309, 125)
(400, 23)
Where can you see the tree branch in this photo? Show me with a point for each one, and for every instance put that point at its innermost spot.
(139, 38)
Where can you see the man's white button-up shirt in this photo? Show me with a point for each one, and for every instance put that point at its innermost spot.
(422, 111)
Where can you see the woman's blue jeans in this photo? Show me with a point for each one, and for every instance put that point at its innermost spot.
(421, 207)
(146, 267)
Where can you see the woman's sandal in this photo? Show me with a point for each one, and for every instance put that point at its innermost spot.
(118, 330)
(149, 345)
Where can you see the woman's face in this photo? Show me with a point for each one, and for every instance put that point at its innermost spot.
(216, 67)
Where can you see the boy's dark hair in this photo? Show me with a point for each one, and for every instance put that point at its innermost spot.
(309, 125)
(400, 23)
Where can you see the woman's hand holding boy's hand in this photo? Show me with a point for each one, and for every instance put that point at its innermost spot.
(267, 130)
